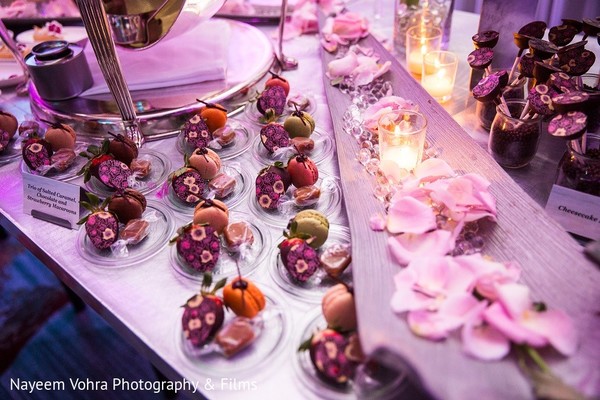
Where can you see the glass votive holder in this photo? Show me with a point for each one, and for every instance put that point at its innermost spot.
(513, 141)
(420, 40)
(439, 74)
(580, 170)
(401, 140)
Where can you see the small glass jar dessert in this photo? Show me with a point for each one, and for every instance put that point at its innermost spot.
(486, 111)
(579, 170)
(514, 141)
(591, 86)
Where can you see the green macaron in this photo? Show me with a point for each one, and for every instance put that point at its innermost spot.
(313, 224)
(299, 124)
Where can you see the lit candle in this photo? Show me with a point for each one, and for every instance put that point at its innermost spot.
(439, 73)
(420, 40)
(401, 140)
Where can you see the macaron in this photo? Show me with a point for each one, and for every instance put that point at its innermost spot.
(212, 212)
(206, 162)
(61, 136)
(299, 124)
(123, 149)
(8, 123)
(128, 205)
(310, 223)
(215, 116)
(302, 170)
(339, 309)
(277, 80)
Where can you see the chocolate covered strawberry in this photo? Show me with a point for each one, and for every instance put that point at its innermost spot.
(332, 354)
(274, 136)
(196, 133)
(203, 314)
(271, 184)
(303, 171)
(198, 246)
(111, 172)
(298, 258)
(188, 185)
(101, 226)
(36, 152)
(271, 103)
(8, 123)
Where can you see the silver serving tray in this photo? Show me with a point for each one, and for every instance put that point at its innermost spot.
(162, 112)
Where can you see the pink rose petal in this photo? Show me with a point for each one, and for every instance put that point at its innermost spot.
(433, 167)
(483, 341)
(408, 215)
(406, 247)
(557, 327)
(496, 316)
(377, 223)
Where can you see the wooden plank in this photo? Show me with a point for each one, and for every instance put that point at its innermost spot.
(553, 264)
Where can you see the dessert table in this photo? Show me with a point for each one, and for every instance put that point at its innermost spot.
(142, 301)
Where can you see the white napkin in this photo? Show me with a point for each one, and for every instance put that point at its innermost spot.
(197, 55)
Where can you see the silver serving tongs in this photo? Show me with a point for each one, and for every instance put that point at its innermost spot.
(96, 24)
(12, 46)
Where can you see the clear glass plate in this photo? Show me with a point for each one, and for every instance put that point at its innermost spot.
(257, 357)
(12, 152)
(329, 203)
(255, 117)
(242, 187)
(71, 172)
(160, 231)
(323, 149)
(161, 167)
(379, 382)
(226, 265)
(313, 290)
(243, 139)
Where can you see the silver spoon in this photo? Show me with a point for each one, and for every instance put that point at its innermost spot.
(286, 63)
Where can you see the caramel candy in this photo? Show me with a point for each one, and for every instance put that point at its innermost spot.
(135, 231)
(140, 167)
(306, 195)
(235, 336)
(224, 136)
(237, 234)
(303, 144)
(223, 185)
(62, 159)
(335, 259)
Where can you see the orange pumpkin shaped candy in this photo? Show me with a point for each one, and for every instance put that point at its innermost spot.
(243, 297)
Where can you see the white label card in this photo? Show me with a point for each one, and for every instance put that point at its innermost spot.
(577, 212)
(51, 200)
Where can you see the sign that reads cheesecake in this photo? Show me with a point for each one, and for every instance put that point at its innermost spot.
(50, 200)
(577, 212)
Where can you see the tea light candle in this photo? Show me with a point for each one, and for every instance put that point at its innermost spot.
(420, 40)
(401, 140)
(439, 74)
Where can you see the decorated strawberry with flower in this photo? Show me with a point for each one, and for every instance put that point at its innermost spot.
(103, 166)
(203, 313)
(198, 246)
(101, 225)
(36, 152)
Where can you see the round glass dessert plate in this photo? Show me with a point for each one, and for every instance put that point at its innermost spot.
(243, 139)
(389, 385)
(314, 288)
(160, 231)
(12, 152)
(161, 167)
(323, 149)
(256, 118)
(71, 172)
(226, 265)
(242, 187)
(258, 356)
(329, 203)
